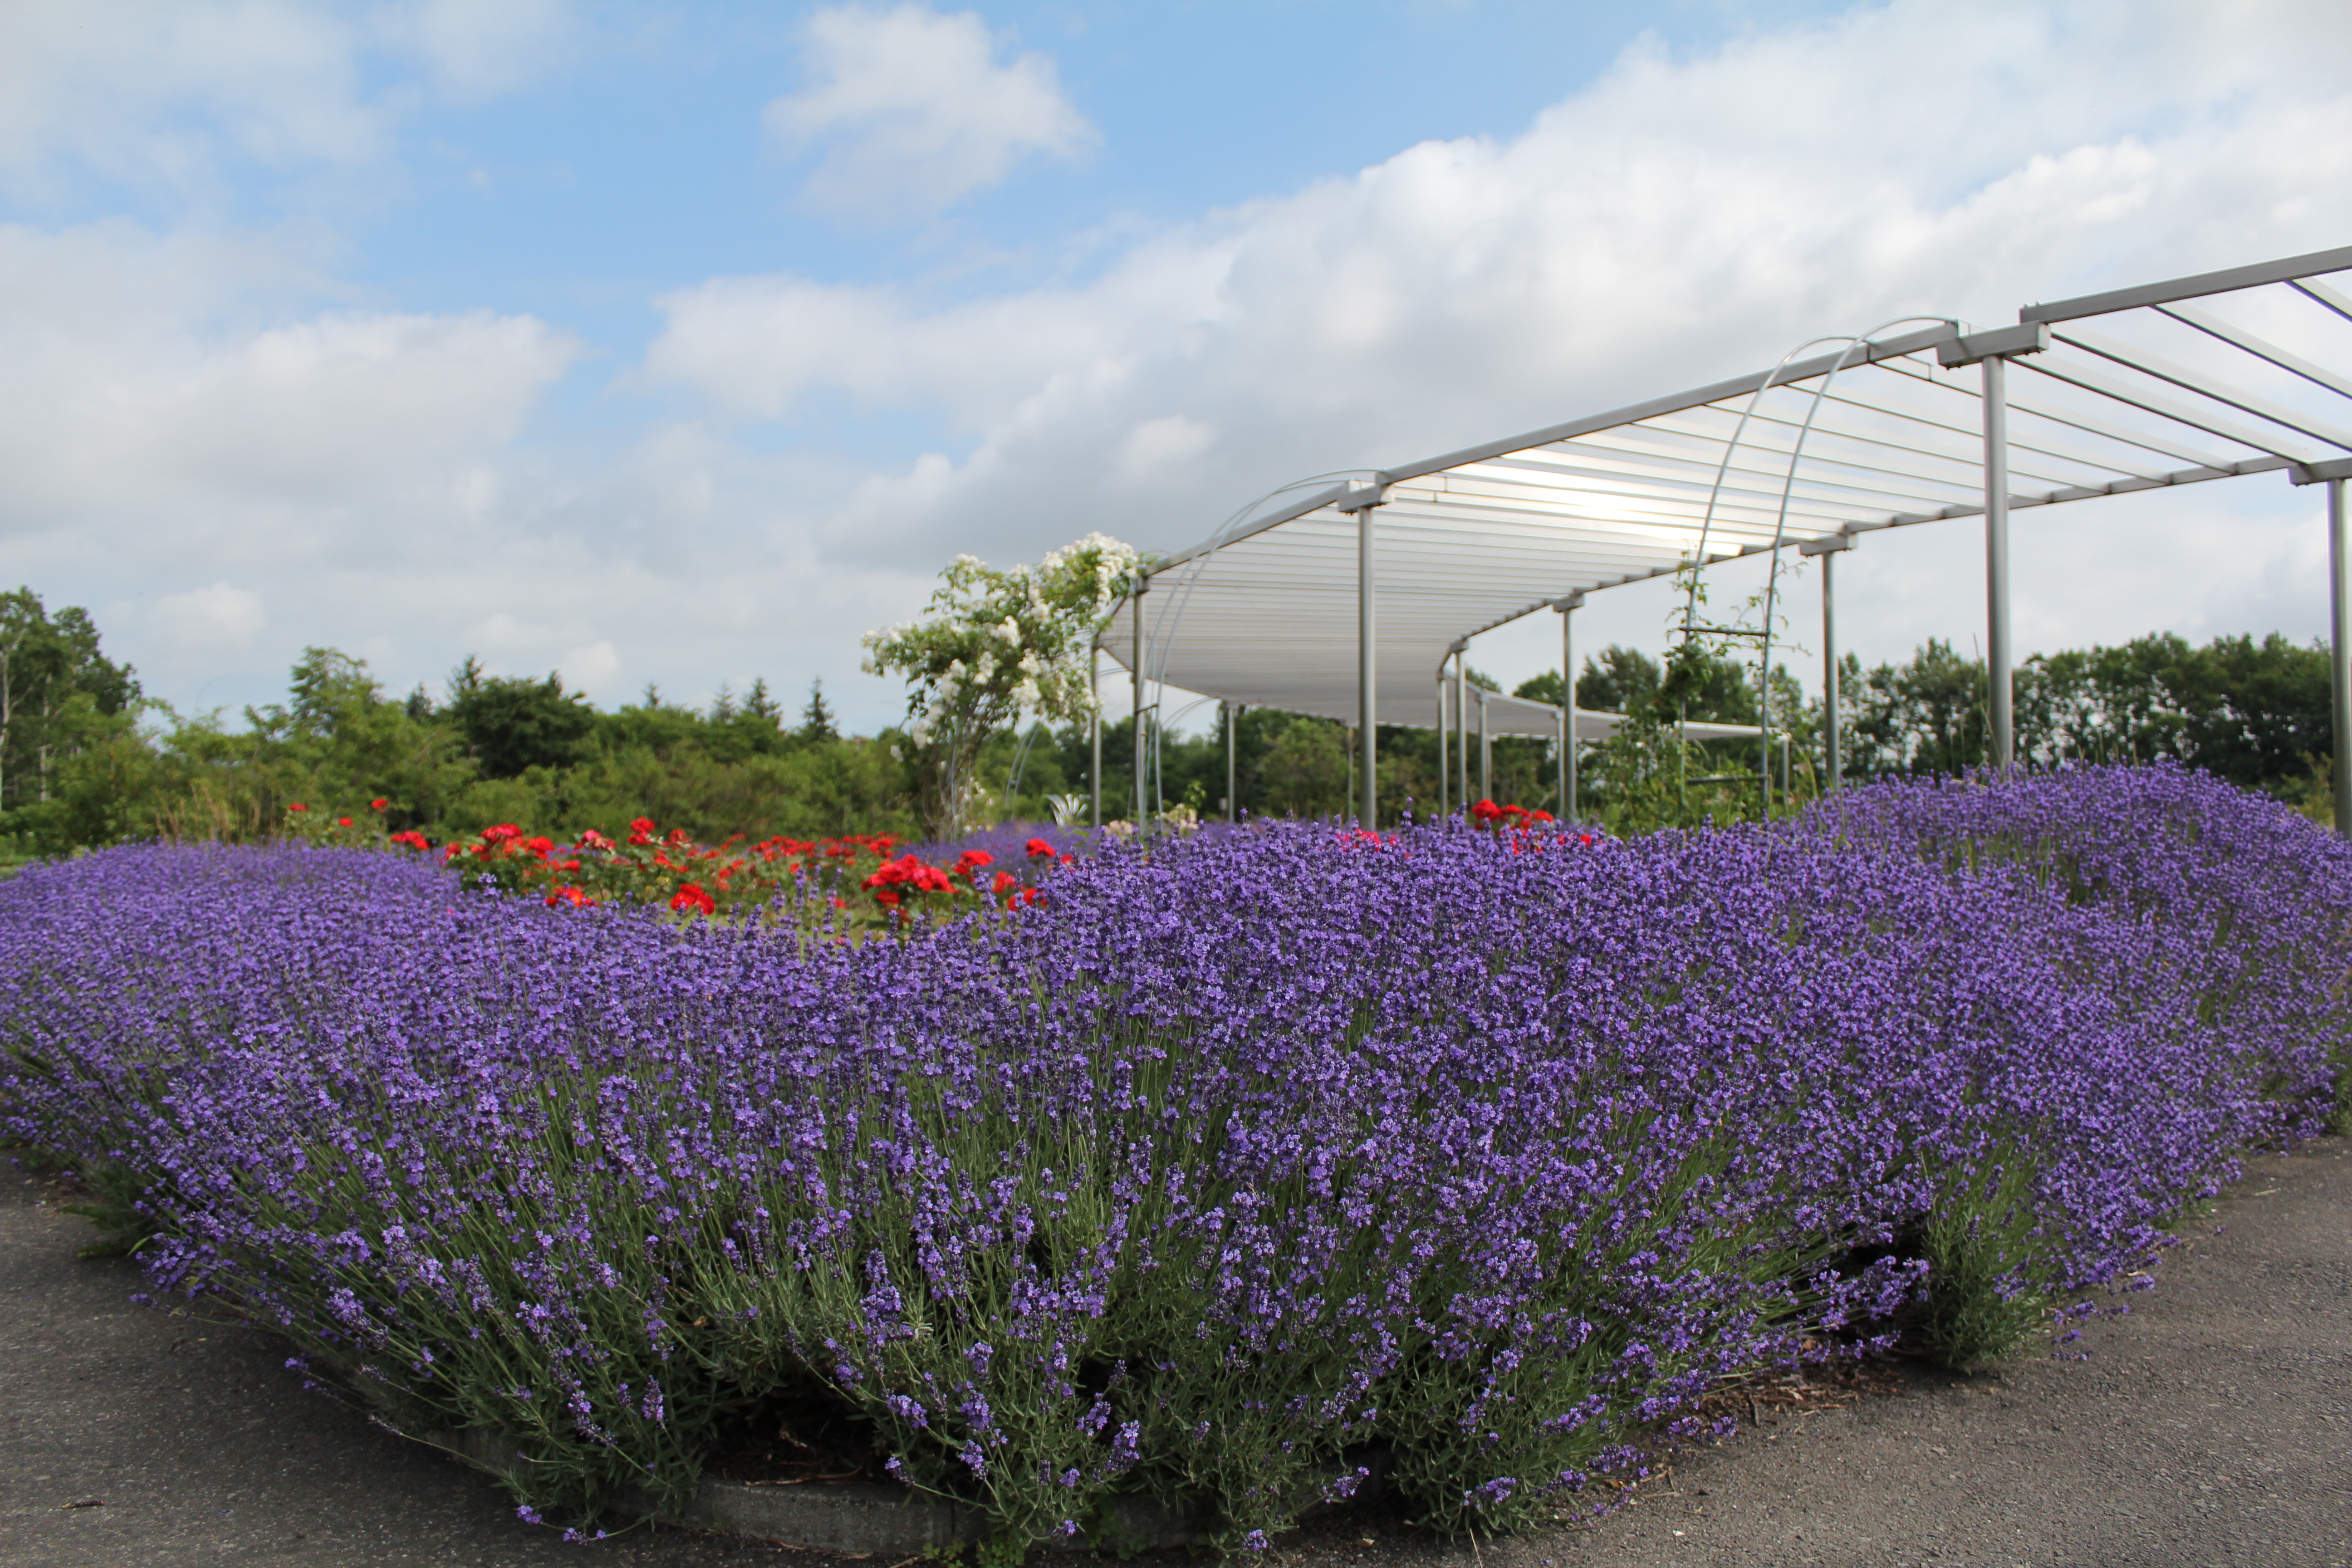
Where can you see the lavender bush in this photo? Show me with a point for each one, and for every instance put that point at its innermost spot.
(1224, 1171)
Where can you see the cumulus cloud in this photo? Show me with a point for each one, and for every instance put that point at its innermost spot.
(1678, 221)
(190, 409)
(115, 396)
(910, 110)
(163, 97)
(215, 619)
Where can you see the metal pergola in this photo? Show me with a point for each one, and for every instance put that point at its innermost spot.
(1351, 601)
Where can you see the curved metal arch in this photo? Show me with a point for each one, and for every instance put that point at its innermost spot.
(1850, 341)
(1161, 638)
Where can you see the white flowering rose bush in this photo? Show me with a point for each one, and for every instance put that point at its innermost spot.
(998, 646)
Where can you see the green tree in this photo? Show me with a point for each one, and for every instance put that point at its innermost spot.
(817, 724)
(1306, 772)
(512, 724)
(58, 694)
(992, 647)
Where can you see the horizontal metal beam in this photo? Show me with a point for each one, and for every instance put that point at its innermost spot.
(2260, 347)
(1296, 510)
(2077, 374)
(2001, 342)
(2222, 282)
(2311, 289)
(1828, 545)
(2220, 392)
(1804, 370)
(2319, 473)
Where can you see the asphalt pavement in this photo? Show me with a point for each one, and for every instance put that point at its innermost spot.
(2211, 1426)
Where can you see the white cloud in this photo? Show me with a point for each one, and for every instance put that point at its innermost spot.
(1156, 445)
(222, 618)
(167, 97)
(1676, 222)
(182, 409)
(478, 48)
(913, 111)
(124, 387)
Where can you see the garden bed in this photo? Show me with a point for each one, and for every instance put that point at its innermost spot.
(1221, 1166)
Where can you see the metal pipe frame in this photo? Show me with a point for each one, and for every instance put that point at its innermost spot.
(1461, 735)
(1094, 774)
(1445, 762)
(1485, 750)
(1233, 711)
(1135, 672)
(2339, 651)
(1828, 550)
(1567, 608)
(2041, 326)
(1368, 727)
(1996, 504)
(1834, 764)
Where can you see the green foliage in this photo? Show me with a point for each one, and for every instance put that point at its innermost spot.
(1308, 770)
(1979, 1244)
(511, 725)
(810, 791)
(60, 700)
(498, 751)
(995, 646)
(113, 1207)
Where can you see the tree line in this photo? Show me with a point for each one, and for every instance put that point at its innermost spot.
(86, 758)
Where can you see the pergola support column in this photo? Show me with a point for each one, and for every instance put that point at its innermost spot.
(1567, 608)
(1363, 502)
(1093, 737)
(1833, 759)
(2333, 474)
(1485, 750)
(2339, 650)
(1444, 762)
(1997, 653)
(1233, 711)
(1135, 811)
(1461, 731)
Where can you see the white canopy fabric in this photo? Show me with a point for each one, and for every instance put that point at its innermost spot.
(2230, 373)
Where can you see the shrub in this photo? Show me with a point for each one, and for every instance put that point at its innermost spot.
(1236, 1160)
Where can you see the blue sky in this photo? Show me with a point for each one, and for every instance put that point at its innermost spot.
(683, 344)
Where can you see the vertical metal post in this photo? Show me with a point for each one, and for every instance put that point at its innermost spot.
(1094, 772)
(2339, 651)
(1567, 608)
(1445, 762)
(1233, 711)
(1833, 757)
(1565, 720)
(1368, 810)
(1996, 501)
(1135, 812)
(1829, 752)
(1461, 737)
(1485, 750)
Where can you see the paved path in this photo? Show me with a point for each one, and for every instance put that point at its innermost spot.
(2211, 1426)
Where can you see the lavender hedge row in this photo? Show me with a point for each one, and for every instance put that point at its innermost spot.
(1224, 1171)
